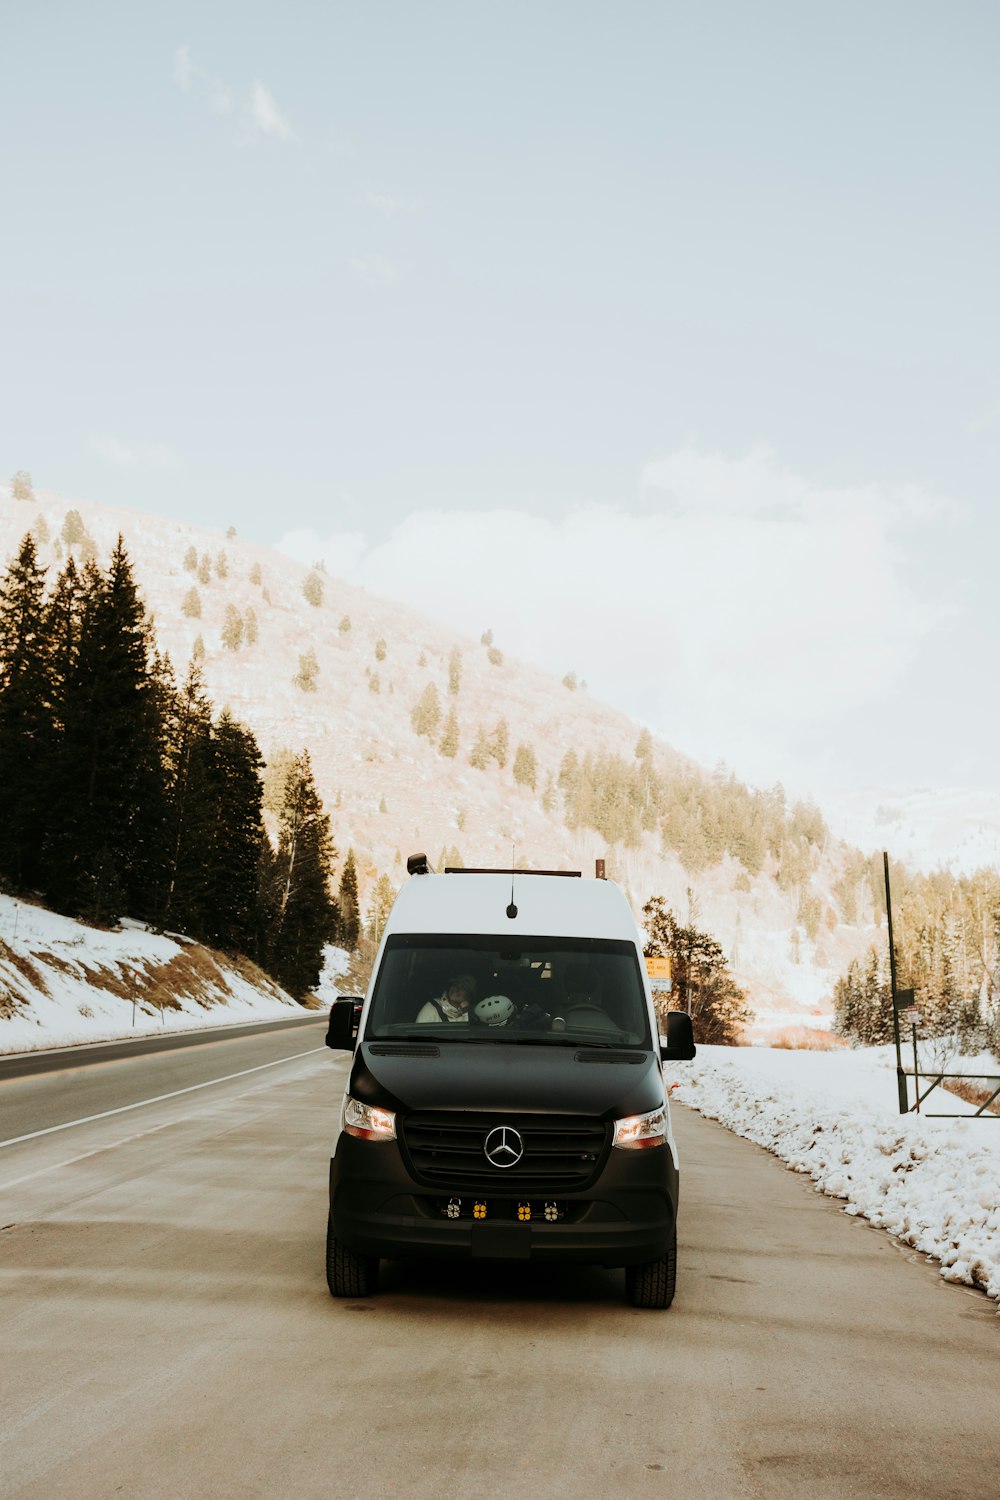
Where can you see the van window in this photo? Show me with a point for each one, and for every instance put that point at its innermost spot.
(584, 991)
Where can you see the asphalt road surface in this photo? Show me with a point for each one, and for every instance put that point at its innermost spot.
(165, 1328)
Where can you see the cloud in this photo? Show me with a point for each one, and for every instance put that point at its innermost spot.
(258, 115)
(265, 114)
(376, 270)
(745, 612)
(125, 456)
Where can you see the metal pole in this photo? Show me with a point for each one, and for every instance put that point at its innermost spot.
(904, 1104)
(916, 1072)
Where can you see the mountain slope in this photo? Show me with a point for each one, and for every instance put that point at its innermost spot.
(389, 789)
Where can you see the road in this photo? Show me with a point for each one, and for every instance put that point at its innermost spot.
(118, 1075)
(166, 1328)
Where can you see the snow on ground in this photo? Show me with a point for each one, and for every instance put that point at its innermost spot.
(63, 983)
(335, 962)
(934, 1184)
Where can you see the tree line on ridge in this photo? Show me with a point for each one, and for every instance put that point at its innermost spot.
(122, 791)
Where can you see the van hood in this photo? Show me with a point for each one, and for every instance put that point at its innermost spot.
(495, 1077)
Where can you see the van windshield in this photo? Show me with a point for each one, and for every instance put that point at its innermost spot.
(583, 991)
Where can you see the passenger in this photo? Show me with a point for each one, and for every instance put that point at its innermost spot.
(454, 1004)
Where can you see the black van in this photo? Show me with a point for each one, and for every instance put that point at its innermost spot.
(506, 1099)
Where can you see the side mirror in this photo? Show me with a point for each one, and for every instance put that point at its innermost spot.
(345, 1013)
(679, 1044)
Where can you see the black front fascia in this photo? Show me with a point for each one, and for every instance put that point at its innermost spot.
(508, 1077)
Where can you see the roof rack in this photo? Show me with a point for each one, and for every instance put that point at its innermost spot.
(466, 870)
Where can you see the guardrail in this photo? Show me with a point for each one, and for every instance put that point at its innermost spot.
(936, 1081)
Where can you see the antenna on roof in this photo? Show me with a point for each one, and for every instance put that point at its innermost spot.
(512, 909)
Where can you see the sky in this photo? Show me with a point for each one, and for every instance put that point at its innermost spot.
(660, 339)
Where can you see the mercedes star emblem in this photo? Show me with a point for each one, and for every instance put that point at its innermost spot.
(503, 1147)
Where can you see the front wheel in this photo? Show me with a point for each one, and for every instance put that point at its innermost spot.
(348, 1274)
(652, 1285)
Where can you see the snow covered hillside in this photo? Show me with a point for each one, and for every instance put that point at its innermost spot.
(391, 790)
(934, 1184)
(62, 983)
(956, 828)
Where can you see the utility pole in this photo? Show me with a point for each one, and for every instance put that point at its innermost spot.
(904, 1103)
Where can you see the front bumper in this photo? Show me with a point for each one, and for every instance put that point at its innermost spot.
(626, 1217)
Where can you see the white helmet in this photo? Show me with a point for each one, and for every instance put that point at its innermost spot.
(494, 1010)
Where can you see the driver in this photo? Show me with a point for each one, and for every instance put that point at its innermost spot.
(583, 1008)
(454, 1004)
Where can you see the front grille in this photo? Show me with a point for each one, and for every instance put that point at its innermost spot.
(561, 1152)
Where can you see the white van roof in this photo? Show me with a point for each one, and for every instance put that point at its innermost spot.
(547, 906)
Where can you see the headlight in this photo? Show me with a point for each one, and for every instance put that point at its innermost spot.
(636, 1132)
(368, 1122)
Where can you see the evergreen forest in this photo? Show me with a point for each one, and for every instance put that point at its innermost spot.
(946, 935)
(122, 791)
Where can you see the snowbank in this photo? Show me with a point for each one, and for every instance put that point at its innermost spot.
(935, 1184)
(62, 982)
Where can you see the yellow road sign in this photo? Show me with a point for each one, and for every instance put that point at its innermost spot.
(658, 968)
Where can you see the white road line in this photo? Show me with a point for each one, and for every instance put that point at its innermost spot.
(140, 1103)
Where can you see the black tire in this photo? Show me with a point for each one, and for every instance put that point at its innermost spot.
(348, 1274)
(652, 1285)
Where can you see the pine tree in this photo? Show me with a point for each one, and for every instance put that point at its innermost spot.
(238, 831)
(189, 812)
(63, 620)
(349, 924)
(205, 570)
(454, 672)
(380, 649)
(256, 577)
(73, 529)
(107, 809)
(479, 755)
(302, 914)
(21, 487)
(25, 717)
(232, 629)
(191, 607)
(500, 743)
(251, 630)
(191, 560)
(448, 743)
(525, 766)
(569, 775)
(702, 983)
(305, 677)
(222, 564)
(344, 628)
(312, 588)
(425, 715)
(379, 906)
